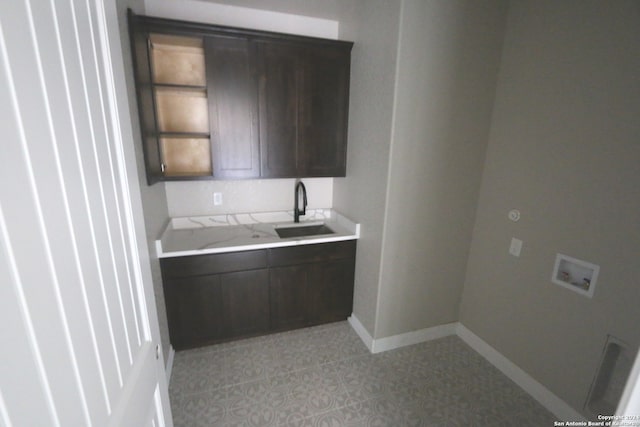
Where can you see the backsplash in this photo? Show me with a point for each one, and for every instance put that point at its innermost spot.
(194, 198)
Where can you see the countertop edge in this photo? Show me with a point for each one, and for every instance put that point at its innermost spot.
(257, 246)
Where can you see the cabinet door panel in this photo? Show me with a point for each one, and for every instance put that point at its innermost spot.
(233, 109)
(331, 291)
(194, 310)
(278, 106)
(288, 294)
(324, 111)
(144, 93)
(245, 296)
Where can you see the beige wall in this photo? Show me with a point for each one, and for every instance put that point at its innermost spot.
(154, 199)
(564, 148)
(445, 85)
(373, 26)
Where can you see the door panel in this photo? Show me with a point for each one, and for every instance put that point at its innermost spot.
(83, 332)
(288, 297)
(245, 297)
(233, 107)
(332, 290)
(194, 310)
(324, 111)
(278, 101)
(147, 112)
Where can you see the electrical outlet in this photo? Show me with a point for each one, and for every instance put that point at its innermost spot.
(217, 199)
(515, 247)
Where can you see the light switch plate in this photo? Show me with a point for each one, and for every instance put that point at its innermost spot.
(515, 247)
(217, 199)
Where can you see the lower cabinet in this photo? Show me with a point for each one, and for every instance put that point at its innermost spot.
(245, 303)
(311, 294)
(331, 291)
(206, 309)
(219, 297)
(194, 310)
(289, 296)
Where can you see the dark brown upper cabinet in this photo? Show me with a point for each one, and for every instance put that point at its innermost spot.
(280, 102)
(226, 103)
(233, 107)
(304, 98)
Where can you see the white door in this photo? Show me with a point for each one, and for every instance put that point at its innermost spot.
(78, 326)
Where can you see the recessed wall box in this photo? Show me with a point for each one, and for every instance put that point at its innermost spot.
(575, 274)
(608, 385)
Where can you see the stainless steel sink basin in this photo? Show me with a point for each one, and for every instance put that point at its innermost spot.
(303, 230)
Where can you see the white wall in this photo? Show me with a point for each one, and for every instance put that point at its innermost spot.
(564, 149)
(256, 195)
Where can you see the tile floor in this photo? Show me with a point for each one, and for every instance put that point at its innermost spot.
(325, 376)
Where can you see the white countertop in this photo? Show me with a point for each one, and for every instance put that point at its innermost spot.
(240, 232)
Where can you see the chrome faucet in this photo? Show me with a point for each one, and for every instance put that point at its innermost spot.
(296, 211)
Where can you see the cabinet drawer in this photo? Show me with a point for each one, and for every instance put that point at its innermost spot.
(311, 253)
(199, 265)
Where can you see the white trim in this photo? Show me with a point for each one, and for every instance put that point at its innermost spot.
(401, 340)
(543, 395)
(413, 337)
(361, 331)
(171, 354)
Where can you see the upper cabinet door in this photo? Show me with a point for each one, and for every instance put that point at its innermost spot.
(180, 94)
(279, 100)
(144, 92)
(304, 102)
(233, 108)
(324, 110)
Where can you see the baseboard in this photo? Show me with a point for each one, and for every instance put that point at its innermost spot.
(361, 331)
(413, 337)
(400, 340)
(169, 365)
(543, 395)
